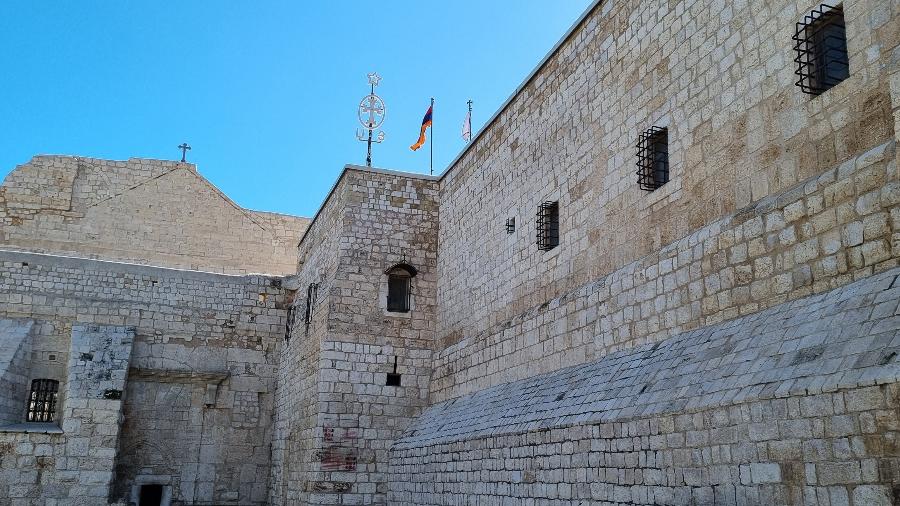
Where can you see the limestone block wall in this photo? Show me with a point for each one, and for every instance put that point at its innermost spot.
(835, 448)
(390, 218)
(297, 399)
(795, 404)
(817, 235)
(74, 467)
(15, 371)
(92, 416)
(720, 76)
(142, 211)
(198, 405)
(373, 220)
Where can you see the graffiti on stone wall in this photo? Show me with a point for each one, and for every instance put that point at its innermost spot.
(339, 452)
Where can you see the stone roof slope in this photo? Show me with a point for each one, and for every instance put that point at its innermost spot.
(840, 339)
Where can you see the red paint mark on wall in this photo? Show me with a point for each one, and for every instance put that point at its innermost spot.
(339, 453)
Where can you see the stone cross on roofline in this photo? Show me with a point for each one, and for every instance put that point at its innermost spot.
(184, 147)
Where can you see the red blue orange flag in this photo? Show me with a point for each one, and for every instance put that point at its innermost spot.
(426, 122)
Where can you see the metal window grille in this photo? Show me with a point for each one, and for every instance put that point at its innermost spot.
(510, 225)
(821, 46)
(311, 292)
(289, 322)
(548, 226)
(653, 158)
(398, 292)
(42, 400)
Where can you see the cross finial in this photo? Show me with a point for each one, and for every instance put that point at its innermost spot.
(184, 149)
(374, 79)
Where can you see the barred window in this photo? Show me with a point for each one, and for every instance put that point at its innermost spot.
(653, 158)
(399, 287)
(311, 292)
(821, 46)
(42, 400)
(289, 322)
(548, 226)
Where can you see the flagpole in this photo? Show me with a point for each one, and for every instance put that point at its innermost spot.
(470, 120)
(431, 140)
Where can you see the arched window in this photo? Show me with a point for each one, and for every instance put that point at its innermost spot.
(42, 400)
(399, 287)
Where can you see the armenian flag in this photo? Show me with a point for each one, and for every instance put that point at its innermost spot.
(426, 123)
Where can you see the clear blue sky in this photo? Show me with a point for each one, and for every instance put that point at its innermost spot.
(265, 92)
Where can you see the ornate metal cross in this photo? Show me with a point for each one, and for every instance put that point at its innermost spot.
(374, 107)
(371, 115)
(184, 149)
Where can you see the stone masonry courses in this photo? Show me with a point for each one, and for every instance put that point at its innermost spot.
(796, 404)
(532, 327)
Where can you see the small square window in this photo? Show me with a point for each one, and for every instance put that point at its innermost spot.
(548, 226)
(510, 225)
(821, 45)
(150, 495)
(653, 158)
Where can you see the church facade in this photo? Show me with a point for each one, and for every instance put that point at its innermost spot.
(665, 272)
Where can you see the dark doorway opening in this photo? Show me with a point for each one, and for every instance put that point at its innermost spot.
(151, 495)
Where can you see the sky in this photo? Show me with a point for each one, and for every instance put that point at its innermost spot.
(265, 92)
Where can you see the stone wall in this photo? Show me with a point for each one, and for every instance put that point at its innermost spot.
(835, 448)
(15, 358)
(198, 404)
(389, 219)
(339, 428)
(796, 404)
(297, 396)
(728, 338)
(44, 466)
(142, 211)
(718, 240)
(824, 232)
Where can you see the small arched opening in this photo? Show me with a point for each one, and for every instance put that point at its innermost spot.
(399, 280)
